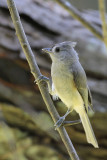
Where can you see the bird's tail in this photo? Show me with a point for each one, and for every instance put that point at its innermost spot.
(88, 129)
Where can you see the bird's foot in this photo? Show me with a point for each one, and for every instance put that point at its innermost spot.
(59, 122)
(66, 123)
(41, 78)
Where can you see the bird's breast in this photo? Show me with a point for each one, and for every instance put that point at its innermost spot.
(65, 87)
(61, 77)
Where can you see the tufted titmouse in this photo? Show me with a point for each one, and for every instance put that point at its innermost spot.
(69, 83)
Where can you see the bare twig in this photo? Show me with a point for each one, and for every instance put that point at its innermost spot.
(69, 123)
(77, 15)
(36, 73)
(103, 18)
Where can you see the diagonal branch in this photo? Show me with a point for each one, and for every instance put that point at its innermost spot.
(103, 18)
(36, 73)
(77, 15)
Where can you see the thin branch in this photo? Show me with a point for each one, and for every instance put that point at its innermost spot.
(36, 73)
(103, 18)
(69, 123)
(77, 15)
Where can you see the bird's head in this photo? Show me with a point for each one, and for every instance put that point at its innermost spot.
(64, 50)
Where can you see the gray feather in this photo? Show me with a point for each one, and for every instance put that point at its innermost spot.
(80, 81)
(90, 103)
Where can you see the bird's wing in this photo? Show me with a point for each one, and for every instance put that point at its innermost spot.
(80, 81)
(90, 98)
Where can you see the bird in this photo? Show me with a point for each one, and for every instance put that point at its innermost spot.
(69, 83)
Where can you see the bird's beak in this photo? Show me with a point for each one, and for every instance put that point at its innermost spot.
(47, 50)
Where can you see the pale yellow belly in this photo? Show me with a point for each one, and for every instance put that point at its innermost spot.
(68, 93)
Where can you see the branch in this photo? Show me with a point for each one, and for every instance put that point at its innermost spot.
(36, 73)
(77, 15)
(103, 18)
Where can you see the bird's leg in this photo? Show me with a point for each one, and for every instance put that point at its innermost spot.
(51, 90)
(50, 85)
(61, 119)
(47, 80)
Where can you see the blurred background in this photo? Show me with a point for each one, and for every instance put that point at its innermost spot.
(26, 128)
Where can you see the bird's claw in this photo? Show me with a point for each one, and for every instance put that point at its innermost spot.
(59, 122)
(62, 121)
(41, 78)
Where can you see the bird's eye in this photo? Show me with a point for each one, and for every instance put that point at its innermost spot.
(57, 49)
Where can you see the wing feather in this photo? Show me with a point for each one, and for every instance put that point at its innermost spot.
(80, 81)
(90, 103)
